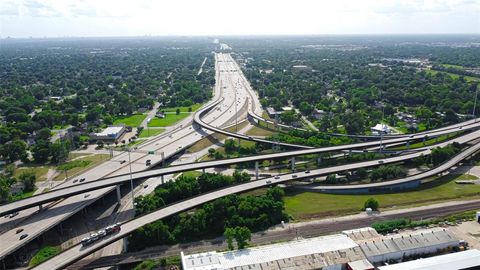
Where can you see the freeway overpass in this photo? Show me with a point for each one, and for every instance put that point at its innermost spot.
(120, 179)
(78, 252)
(255, 116)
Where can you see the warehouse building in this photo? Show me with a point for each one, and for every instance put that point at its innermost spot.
(327, 252)
(469, 259)
(407, 245)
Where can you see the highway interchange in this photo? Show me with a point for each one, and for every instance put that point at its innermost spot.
(233, 98)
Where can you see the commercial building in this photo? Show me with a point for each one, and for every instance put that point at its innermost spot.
(381, 128)
(358, 249)
(469, 259)
(408, 245)
(326, 252)
(110, 134)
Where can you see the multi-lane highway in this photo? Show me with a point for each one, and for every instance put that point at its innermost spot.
(112, 181)
(77, 252)
(173, 141)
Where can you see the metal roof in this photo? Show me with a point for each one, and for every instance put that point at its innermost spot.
(452, 261)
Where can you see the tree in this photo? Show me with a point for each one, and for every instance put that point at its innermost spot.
(177, 112)
(354, 123)
(28, 179)
(41, 151)
(242, 235)
(211, 152)
(43, 134)
(451, 116)
(371, 203)
(229, 235)
(331, 179)
(230, 146)
(59, 150)
(288, 117)
(362, 172)
(14, 150)
(4, 188)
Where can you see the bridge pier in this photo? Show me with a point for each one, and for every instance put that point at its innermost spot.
(256, 170)
(293, 164)
(319, 160)
(163, 179)
(203, 170)
(407, 144)
(163, 158)
(119, 196)
(40, 207)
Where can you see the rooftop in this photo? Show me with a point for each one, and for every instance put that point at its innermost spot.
(110, 131)
(452, 261)
(312, 253)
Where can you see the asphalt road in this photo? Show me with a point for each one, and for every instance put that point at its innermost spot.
(288, 233)
(78, 252)
(170, 143)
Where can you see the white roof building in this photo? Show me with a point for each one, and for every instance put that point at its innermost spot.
(109, 133)
(326, 252)
(381, 128)
(460, 260)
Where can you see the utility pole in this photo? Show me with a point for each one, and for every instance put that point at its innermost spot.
(475, 103)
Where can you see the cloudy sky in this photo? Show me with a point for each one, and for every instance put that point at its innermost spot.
(59, 18)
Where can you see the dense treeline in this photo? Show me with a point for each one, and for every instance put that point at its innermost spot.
(356, 81)
(211, 219)
(186, 187)
(309, 138)
(88, 83)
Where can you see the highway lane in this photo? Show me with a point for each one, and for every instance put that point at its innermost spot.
(77, 252)
(170, 143)
(454, 126)
(111, 181)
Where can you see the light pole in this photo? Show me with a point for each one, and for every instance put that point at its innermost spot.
(131, 180)
(475, 104)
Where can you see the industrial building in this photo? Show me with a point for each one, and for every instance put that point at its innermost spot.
(110, 134)
(407, 245)
(469, 259)
(327, 252)
(358, 249)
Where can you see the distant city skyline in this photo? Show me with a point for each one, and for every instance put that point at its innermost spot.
(91, 18)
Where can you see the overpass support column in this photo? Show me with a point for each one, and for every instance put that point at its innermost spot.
(163, 159)
(408, 144)
(293, 164)
(119, 196)
(203, 170)
(163, 179)
(40, 207)
(256, 170)
(319, 160)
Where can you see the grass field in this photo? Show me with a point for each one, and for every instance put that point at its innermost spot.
(170, 119)
(43, 254)
(212, 139)
(454, 76)
(260, 131)
(22, 196)
(150, 132)
(39, 171)
(133, 120)
(75, 167)
(182, 109)
(305, 205)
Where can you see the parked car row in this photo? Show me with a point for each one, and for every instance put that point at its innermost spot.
(100, 234)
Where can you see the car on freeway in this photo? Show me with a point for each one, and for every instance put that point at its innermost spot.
(19, 231)
(101, 233)
(277, 177)
(76, 180)
(94, 236)
(123, 161)
(148, 162)
(81, 180)
(269, 181)
(294, 176)
(411, 136)
(145, 185)
(86, 195)
(307, 171)
(23, 236)
(13, 214)
(380, 162)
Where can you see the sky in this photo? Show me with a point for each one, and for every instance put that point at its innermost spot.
(86, 18)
